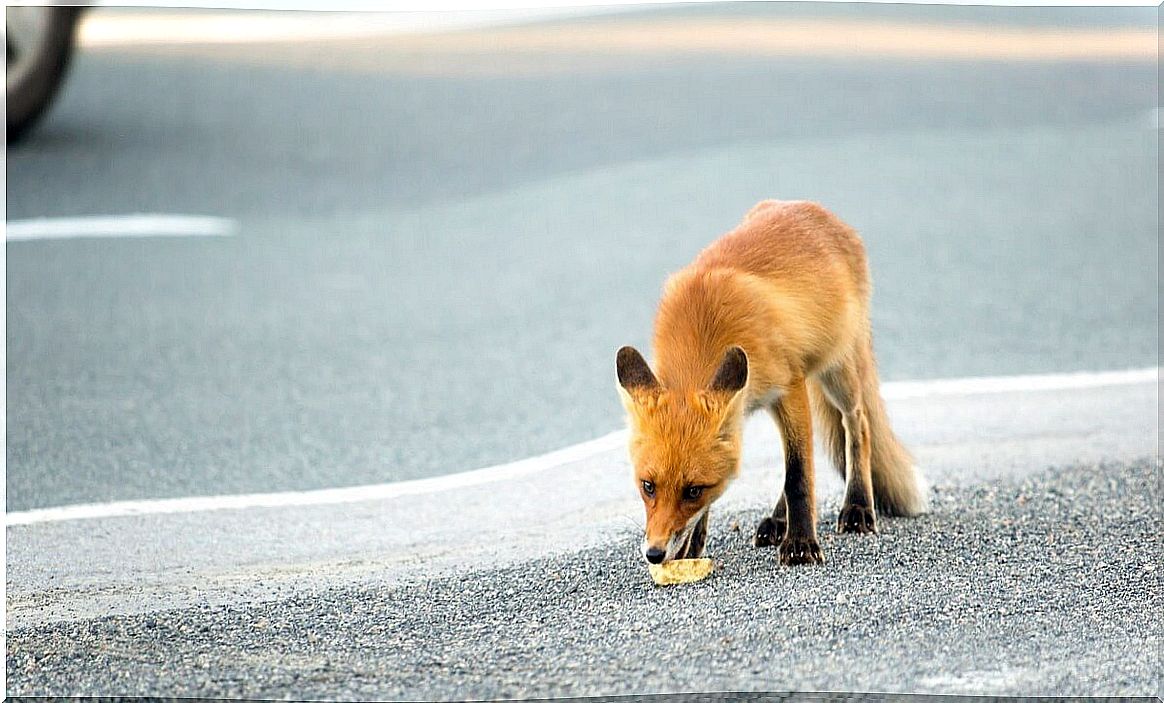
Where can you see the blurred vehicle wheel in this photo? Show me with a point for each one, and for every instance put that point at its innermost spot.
(38, 43)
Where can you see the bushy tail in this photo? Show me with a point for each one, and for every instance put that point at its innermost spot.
(898, 486)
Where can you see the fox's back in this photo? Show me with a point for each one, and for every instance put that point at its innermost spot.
(791, 242)
(790, 282)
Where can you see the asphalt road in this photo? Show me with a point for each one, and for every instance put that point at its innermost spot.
(440, 248)
(442, 240)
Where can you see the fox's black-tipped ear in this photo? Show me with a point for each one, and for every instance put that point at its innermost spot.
(732, 375)
(633, 372)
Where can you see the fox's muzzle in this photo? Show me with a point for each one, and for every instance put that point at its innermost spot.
(659, 554)
(656, 553)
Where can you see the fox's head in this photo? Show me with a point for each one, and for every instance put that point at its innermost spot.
(684, 444)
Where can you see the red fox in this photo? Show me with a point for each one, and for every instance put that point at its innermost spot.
(772, 314)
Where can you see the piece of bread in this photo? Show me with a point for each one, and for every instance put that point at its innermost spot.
(681, 571)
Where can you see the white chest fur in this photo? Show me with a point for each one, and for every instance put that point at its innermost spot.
(763, 398)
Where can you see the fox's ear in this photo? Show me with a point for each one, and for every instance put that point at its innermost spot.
(732, 375)
(724, 393)
(633, 372)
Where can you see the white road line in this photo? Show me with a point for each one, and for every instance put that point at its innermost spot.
(578, 452)
(124, 28)
(1017, 384)
(327, 496)
(119, 226)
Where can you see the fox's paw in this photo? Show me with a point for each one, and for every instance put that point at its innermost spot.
(856, 519)
(770, 532)
(800, 550)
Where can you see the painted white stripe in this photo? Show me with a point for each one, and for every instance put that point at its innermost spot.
(136, 29)
(119, 226)
(578, 452)
(1017, 384)
(327, 496)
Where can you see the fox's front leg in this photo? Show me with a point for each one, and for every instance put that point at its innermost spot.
(800, 545)
(697, 542)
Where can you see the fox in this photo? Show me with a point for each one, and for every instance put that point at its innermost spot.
(773, 315)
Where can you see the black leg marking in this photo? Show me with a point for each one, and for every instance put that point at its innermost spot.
(697, 541)
(856, 519)
(800, 545)
(771, 530)
(803, 550)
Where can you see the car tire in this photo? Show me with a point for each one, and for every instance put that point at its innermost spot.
(31, 85)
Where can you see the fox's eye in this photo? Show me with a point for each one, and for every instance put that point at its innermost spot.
(692, 492)
(649, 488)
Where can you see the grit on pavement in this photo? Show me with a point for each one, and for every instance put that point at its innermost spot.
(1038, 586)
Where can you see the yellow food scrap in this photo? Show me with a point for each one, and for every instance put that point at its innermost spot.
(681, 571)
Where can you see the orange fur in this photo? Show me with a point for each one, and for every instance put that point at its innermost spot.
(790, 287)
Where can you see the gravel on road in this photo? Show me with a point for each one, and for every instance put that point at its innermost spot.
(1044, 585)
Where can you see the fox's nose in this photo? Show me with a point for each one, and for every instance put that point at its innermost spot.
(654, 555)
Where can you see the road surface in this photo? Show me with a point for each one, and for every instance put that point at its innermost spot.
(433, 245)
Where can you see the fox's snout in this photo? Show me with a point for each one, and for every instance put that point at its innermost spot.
(654, 555)
(659, 551)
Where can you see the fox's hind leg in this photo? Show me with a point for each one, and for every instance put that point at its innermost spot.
(842, 387)
(771, 530)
